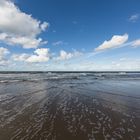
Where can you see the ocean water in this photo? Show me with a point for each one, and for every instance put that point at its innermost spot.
(69, 105)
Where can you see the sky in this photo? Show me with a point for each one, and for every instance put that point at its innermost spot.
(69, 35)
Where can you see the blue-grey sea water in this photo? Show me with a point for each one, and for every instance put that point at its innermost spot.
(69, 106)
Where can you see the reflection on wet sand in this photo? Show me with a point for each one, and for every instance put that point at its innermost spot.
(70, 109)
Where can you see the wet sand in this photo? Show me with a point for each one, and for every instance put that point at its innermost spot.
(70, 109)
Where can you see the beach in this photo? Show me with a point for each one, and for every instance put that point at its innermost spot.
(69, 106)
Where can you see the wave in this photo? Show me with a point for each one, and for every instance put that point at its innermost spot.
(33, 77)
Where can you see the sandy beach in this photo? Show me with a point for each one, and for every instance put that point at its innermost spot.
(69, 106)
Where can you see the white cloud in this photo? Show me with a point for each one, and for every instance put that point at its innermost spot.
(24, 41)
(3, 53)
(21, 57)
(19, 28)
(64, 55)
(114, 42)
(58, 43)
(134, 18)
(44, 26)
(68, 55)
(40, 55)
(136, 43)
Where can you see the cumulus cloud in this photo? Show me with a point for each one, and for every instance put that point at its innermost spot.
(136, 43)
(24, 41)
(3, 53)
(40, 55)
(19, 28)
(114, 42)
(68, 55)
(134, 18)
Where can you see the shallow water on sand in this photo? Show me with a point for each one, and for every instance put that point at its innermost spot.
(69, 106)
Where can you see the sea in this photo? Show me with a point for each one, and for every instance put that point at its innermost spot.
(65, 105)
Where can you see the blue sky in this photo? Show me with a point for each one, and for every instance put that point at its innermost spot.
(70, 35)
